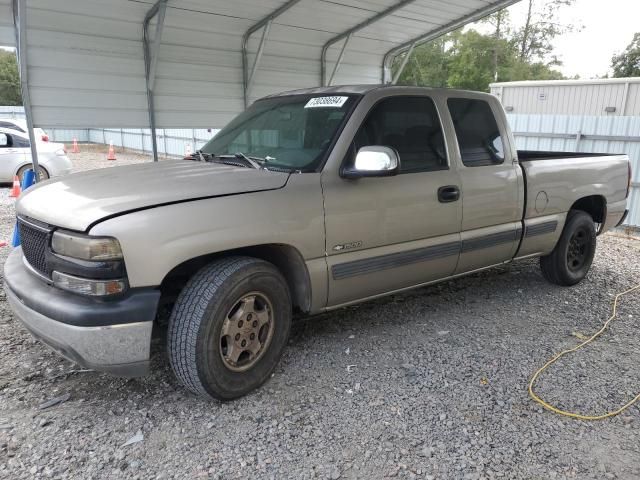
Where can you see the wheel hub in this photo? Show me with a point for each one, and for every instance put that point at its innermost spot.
(578, 249)
(246, 332)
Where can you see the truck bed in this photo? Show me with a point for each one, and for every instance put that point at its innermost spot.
(533, 155)
(553, 185)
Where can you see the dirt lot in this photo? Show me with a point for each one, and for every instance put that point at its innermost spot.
(428, 384)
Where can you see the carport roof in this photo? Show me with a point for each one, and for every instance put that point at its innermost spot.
(85, 59)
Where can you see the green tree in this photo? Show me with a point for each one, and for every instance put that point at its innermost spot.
(9, 79)
(500, 22)
(532, 71)
(535, 37)
(468, 60)
(627, 63)
(472, 60)
(428, 65)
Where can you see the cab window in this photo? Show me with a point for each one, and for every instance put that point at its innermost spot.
(412, 127)
(477, 132)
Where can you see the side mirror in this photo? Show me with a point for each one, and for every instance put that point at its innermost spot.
(4, 140)
(373, 161)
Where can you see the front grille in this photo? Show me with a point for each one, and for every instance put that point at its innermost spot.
(33, 240)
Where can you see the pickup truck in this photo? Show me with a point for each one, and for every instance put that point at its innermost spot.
(308, 201)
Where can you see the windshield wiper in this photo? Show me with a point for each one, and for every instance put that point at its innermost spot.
(200, 156)
(249, 161)
(265, 163)
(227, 159)
(253, 161)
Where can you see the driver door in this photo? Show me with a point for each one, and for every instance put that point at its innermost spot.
(386, 234)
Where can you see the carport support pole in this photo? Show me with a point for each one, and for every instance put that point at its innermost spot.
(256, 62)
(403, 65)
(479, 14)
(150, 63)
(339, 60)
(20, 24)
(349, 33)
(247, 77)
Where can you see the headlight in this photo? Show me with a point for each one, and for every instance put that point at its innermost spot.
(60, 152)
(85, 286)
(84, 247)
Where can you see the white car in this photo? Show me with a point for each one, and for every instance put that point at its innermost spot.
(21, 126)
(15, 156)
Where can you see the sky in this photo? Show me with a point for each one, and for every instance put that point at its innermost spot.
(609, 26)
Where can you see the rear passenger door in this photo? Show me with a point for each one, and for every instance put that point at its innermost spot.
(385, 234)
(12, 155)
(492, 188)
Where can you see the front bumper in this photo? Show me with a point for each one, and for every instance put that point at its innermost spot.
(112, 336)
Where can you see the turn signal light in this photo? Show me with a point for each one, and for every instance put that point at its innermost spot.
(86, 286)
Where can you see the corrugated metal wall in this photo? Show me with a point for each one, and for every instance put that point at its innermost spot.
(589, 134)
(86, 68)
(607, 97)
(171, 142)
(7, 35)
(82, 135)
(12, 112)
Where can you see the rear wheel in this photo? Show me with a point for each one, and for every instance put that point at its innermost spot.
(44, 175)
(571, 259)
(229, 327)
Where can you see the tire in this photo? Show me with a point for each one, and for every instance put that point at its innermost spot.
(44, 175)
(571, 259)
(205, 334)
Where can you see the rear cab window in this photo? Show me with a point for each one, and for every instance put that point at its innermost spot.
(477, 132)
(412, 127)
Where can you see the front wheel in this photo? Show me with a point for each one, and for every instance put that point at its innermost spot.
(571, 259)
(229, 327)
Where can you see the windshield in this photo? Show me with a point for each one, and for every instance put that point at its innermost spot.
(292, 132)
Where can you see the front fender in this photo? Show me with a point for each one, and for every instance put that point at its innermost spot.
(156, 240)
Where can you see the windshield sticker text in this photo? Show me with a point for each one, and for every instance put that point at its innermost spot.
(326, 102)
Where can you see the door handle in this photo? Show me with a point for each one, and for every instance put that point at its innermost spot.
(449, 193)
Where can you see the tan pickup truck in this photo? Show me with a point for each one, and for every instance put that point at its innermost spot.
(308, 201)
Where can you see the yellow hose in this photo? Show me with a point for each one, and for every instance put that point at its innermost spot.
(553, 360)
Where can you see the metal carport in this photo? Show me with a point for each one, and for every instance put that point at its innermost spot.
(197, 63)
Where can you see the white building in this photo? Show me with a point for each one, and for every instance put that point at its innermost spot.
(596, 116)
(607, 97)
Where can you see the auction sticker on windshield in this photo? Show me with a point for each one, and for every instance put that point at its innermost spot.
(326, 102)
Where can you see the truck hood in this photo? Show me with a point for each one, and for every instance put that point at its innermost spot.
(77, 201)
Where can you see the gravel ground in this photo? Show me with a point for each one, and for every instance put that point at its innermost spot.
(427, 384)
(94, 156)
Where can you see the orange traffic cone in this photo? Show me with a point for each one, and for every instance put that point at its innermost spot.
(15, 190)
(112, 153)
(75, 148)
